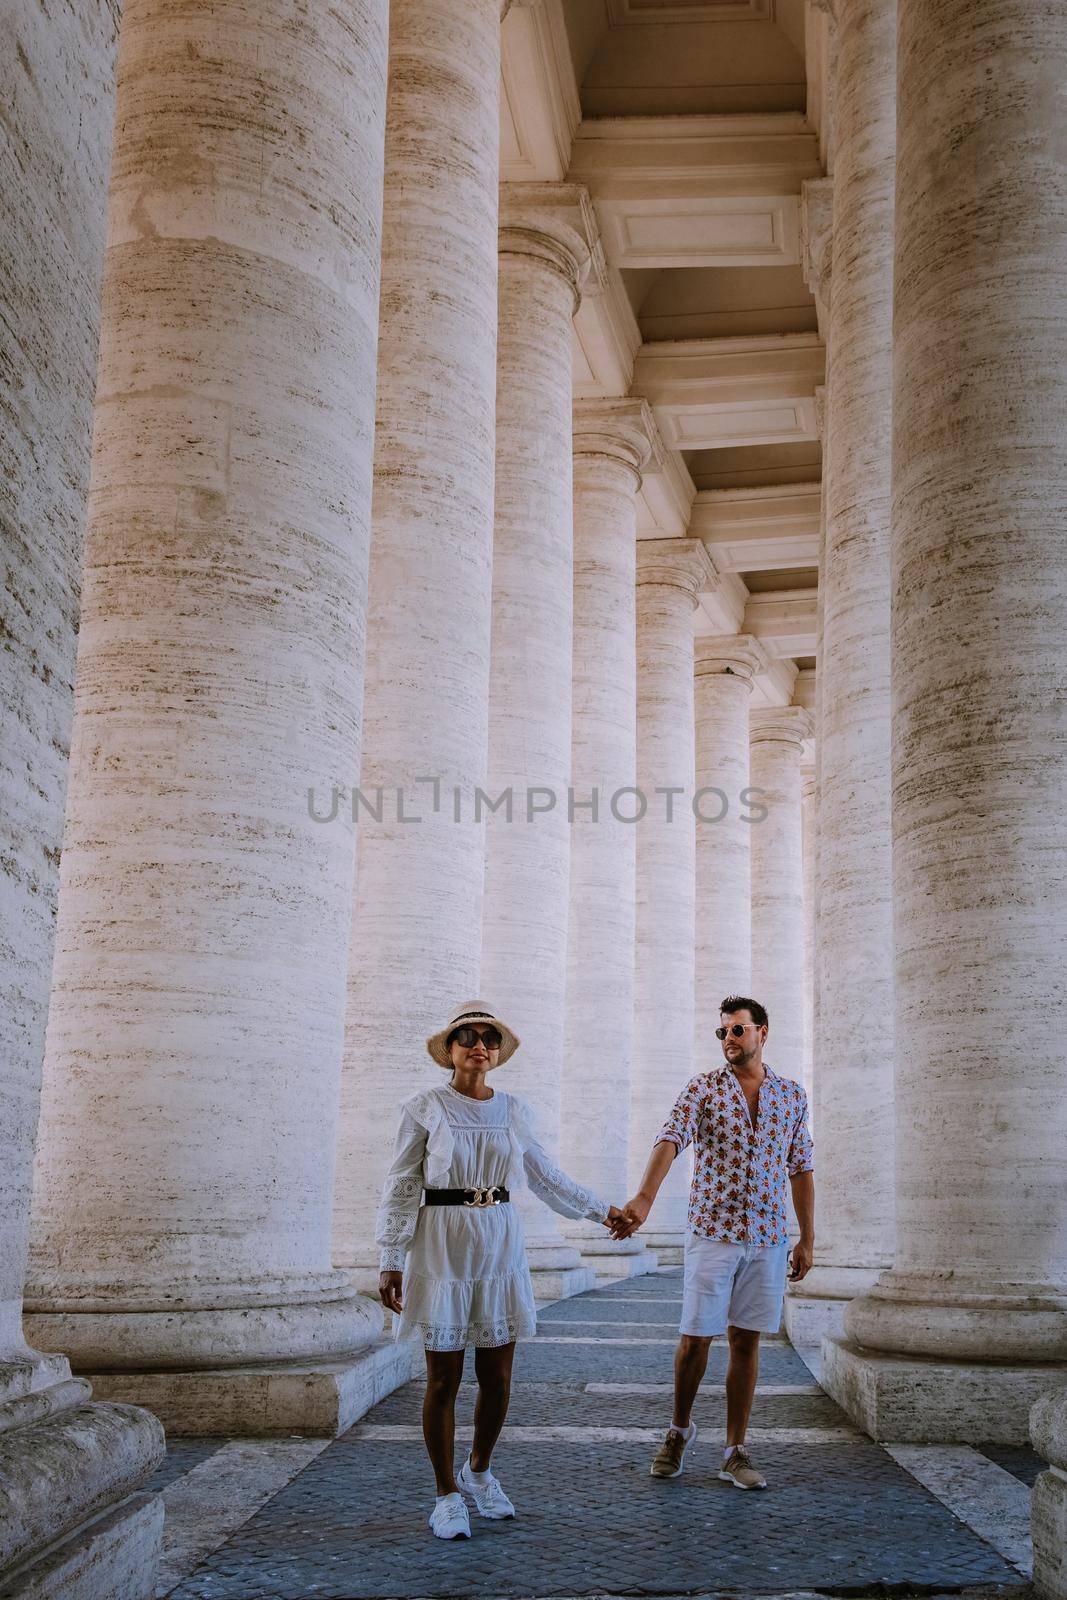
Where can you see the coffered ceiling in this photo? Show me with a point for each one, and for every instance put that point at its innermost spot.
(692, 124)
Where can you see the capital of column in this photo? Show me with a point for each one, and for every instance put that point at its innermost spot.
(817, 235)
(737, 654)
(676, 564)
(623, 430)
(553, 223)
(780, 725)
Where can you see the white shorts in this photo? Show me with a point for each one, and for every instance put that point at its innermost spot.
(735, 1285)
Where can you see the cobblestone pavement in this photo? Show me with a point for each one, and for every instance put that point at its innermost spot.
(592, 1397)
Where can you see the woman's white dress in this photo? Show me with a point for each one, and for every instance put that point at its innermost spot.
(466, 1280)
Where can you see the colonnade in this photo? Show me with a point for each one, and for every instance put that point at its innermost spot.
(347, 532)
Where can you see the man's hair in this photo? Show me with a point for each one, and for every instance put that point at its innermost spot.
(743, 1002)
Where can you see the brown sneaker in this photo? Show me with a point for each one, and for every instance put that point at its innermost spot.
(668, 1463)
(738, 1470)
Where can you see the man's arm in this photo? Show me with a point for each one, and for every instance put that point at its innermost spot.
(803, 1187)
(659, 1164)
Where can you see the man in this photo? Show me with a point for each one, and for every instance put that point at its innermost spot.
(750, 1130)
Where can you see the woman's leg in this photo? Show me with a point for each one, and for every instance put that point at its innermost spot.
(444, 1370)
(492, 1368)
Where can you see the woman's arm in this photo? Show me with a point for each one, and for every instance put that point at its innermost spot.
(398, 1211)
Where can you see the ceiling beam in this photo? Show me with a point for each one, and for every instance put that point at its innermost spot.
(739, 391)
(783, 622)
(759, 530)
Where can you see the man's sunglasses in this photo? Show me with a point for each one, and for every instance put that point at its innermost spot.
(492, 1038)
(737, 1029)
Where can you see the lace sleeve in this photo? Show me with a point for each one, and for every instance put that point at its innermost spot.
(547, 1181)
(399, 1208)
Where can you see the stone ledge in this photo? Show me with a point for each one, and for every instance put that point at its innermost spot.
(923, 1400)
(614, 1269)
(114, 1557)
(551, 1283)
(809, 1319)
(311, 1399)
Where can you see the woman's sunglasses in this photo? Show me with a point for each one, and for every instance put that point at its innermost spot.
(492, 1038)
(736, 1028)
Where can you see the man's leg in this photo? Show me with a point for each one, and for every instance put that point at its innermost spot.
(741, 1374)
(690, 1365)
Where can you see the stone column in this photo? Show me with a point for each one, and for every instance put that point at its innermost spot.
(854, 1084)
(416, 930)
(971, 1323)
(808, 830)
(182, 1203)
(1048, 1434)
(613, 439)
(671, 573)
(545, 237)
(776, 737)
(725, 665)
(63, 1459)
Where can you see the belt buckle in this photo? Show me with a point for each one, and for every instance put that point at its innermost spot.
(481, 1198)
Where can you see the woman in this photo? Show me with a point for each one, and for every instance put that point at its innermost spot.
(455, 1267)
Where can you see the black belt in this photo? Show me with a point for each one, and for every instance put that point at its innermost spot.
(477, 1198)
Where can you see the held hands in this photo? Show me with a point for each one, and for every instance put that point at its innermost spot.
(627, 1221)
(389, 1290)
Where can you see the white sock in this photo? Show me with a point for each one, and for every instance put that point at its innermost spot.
(478, 1477)
(454, 1495)
(686, 1433)
(729, 1450)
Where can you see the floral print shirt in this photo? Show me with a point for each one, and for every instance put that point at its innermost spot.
(739, 1172)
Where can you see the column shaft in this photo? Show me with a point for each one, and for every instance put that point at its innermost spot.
(724, 668)
(543, 261)
(778, 881)
(416, 929)
(184, 1179)
(670, 575)
(854, 1079)
(612, 441)
(979, 628)
(65, 1461)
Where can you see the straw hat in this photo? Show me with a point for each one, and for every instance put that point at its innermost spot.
(477, 1013)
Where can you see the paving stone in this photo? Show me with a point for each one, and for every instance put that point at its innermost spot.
(1018, 1459)
(181, 1457)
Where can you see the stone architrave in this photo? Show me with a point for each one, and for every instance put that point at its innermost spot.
(970, 1325)
(854, 1084)
(182, 1198)
(671, 575)
(547, 236)
(415, 950)
(613, 442)
(724, 667)
(776, 741)
(63, 1459)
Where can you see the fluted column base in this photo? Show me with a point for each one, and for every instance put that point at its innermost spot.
(926, 1400)
(611, 1258)
(815, 1307)
(1048, 1434)
(72, 1526)
(308, 1366)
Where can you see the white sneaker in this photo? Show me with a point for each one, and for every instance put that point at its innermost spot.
(449, 1519)
(489, 1498)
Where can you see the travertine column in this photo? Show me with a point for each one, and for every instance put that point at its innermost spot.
(194, 1042)
(776, 741)
(980, 743)
(613, 439)
(671, 573)
(62, 1459)
(545, 237)
(724, 667)
(854, 1042)
(1048, 1434)
(808, 829)
(416, 932)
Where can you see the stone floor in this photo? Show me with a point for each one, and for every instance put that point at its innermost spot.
(346, 1519)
